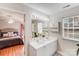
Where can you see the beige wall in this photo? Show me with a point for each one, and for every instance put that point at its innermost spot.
(7, 25)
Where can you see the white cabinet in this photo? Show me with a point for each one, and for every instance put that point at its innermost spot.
(42, 51)
(47, 49)
(71, 28)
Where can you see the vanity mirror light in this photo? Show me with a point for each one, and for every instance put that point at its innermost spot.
(70, 28)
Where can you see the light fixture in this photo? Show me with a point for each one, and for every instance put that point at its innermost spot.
(67, 6)
(10, 21)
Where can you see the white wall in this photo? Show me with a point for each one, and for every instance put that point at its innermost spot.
(53, 21)
(67, 44)
(7, 25)
(28, 32)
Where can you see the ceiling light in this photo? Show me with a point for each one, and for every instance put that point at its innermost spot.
(67, 6)
(10, 21)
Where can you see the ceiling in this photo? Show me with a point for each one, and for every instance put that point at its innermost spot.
(51, 8)
(6, 16)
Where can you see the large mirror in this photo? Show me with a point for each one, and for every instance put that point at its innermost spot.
(39, 28)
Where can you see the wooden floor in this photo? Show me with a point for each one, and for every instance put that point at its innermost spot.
(13, 51)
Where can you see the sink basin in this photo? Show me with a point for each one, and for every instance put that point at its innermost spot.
(40, 46)
(39, 41)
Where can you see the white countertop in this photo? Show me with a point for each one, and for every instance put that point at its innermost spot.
(40, 42)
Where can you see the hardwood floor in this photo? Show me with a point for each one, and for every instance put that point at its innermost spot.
(13, 51)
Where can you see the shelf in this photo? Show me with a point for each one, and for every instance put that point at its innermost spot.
(68, 38)
(70, 33)
(74, 39)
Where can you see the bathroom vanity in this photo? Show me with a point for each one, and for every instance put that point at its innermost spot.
(43, 46)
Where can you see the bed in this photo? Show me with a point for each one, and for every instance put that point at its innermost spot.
(12, 46)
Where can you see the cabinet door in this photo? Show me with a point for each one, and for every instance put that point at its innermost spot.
(48, 50)
(71, 28)
(51, 48)
(68, 28)
(42, 51)
(65, 27)
(76, 28)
